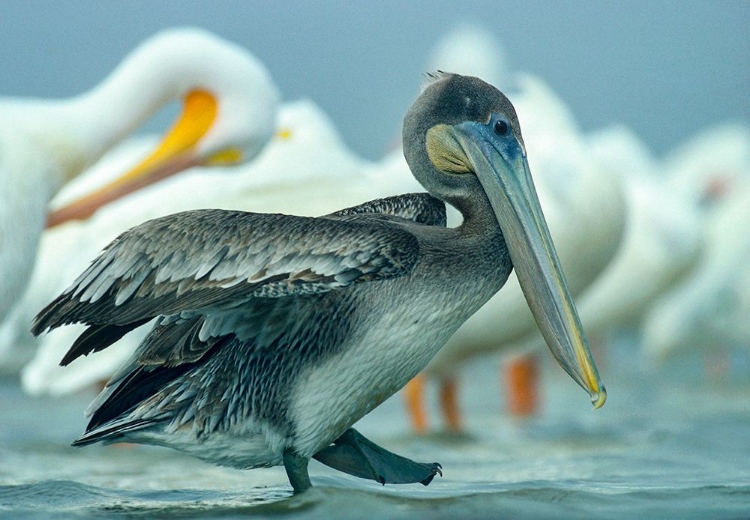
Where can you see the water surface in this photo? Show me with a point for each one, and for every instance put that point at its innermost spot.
(667, 444)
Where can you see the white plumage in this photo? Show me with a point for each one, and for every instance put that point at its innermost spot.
(45, 144)
(662, 238)
(710, 308)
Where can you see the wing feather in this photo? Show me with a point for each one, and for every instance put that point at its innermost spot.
(214, 258)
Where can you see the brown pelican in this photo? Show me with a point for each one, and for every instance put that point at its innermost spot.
(275, 333)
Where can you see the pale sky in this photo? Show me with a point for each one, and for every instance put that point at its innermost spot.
(667, 69)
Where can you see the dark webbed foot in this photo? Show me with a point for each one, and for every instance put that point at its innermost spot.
(354, 454)
(296, 470)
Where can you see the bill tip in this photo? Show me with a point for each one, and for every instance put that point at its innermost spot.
(599, 398)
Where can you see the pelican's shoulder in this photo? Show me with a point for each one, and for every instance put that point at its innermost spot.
(421, 208)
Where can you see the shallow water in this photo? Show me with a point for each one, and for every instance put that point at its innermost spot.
(665, 445)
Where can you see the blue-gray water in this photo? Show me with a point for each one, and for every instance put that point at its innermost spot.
(667, 444)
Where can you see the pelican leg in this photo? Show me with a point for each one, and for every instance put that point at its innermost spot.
(415, 404)
(354, 454)
(296, 470)
(449, 404)
(522, 383)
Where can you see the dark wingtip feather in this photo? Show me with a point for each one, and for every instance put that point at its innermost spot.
(137, 386)
(112, 434)
(96, 338)
(45, 319)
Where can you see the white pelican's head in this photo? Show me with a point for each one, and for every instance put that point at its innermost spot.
(229, 104)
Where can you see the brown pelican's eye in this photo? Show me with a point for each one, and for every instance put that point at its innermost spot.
(501, 127)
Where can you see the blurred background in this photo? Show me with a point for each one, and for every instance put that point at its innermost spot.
(663, 68)
(636, 117)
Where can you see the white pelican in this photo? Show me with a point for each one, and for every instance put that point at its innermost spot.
(710, 308)
(229, 104)
(707, 167)
(662, 238)
(276, 333)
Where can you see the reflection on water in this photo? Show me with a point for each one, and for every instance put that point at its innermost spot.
(665, 445)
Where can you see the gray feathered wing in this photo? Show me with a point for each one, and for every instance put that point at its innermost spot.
(213, 277)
